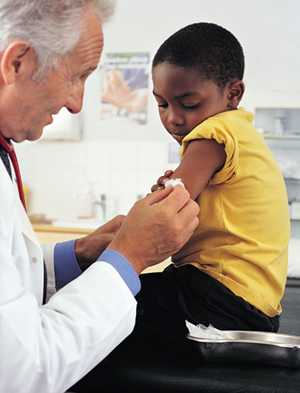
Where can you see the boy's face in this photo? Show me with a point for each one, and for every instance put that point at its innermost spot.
(185, 99)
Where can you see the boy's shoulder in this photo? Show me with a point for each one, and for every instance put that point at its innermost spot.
(239, 114)
(228, 122)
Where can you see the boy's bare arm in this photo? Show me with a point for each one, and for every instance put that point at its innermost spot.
(202, 159)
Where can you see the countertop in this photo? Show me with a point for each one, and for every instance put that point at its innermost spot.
(61, 229)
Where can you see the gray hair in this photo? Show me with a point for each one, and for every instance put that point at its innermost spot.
(51, 27)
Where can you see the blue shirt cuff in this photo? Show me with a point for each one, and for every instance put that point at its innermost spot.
(124, 268)
(66, 267)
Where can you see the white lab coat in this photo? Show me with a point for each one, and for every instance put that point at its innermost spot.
(47, 348)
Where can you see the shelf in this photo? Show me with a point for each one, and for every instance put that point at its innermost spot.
(290, 142)
(282, 137)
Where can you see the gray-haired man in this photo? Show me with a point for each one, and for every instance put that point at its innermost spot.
(47, 50)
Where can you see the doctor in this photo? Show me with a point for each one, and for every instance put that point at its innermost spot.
(49, 339)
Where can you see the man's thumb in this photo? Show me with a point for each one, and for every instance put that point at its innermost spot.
(158, 195)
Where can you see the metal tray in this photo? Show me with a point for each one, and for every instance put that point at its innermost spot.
(250, 347)
(282, 340)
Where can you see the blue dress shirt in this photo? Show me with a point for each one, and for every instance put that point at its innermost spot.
(66, 267)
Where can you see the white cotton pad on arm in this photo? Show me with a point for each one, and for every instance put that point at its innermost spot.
(174, 182)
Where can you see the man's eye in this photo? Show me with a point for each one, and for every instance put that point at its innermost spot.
(84, 76)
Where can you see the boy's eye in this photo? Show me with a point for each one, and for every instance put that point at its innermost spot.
(190, 106)
(162, 105)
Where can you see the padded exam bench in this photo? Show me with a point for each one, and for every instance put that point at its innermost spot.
(186, 373)
(169, 374)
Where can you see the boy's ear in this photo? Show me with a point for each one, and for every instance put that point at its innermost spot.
(235, 93)
(16, 59)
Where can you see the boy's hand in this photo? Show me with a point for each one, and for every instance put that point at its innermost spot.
(160, 184)
(88, 248)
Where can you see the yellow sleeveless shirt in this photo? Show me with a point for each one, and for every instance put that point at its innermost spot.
(242, 238)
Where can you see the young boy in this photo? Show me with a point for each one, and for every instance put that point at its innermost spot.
(232, 272)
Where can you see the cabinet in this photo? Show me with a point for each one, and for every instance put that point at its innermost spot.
(286, 150)
(295, 228)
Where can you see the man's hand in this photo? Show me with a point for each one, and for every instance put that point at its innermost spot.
(156, 227)
(88, 248)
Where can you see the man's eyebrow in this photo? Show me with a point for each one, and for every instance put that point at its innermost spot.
(90, 69)
(87, 71)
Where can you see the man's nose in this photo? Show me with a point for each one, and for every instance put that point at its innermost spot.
(75, 99)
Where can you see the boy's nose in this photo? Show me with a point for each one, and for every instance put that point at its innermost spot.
(175, 118)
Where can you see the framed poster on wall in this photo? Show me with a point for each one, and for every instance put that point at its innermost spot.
(125, 86)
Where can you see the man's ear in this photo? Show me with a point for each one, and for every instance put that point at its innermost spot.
(17, 59)
(235, 93)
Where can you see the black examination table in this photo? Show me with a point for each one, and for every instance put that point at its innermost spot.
(186, 372)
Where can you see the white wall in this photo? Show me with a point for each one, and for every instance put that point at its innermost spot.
(124, 158)
(269, 31)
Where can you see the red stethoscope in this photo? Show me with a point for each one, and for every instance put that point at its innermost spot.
(8, 147)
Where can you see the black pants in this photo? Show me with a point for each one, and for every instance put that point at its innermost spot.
(165, 301)
(168, 299)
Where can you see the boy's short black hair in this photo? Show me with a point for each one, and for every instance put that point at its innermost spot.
(212, 49)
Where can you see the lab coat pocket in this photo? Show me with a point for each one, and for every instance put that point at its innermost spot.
(32, 251)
